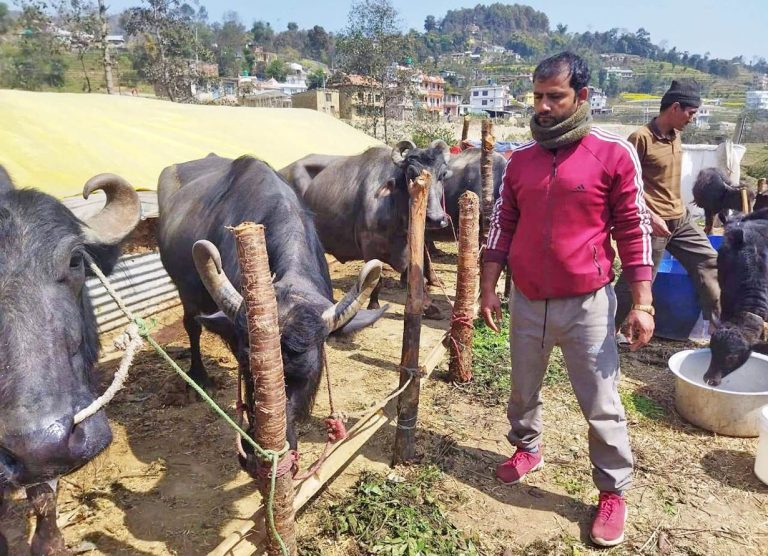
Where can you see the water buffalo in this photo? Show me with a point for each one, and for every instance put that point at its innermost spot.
(713, 192)
(464, 175)
(742, 266)
(198, 199)
(361, 202)
(48, 339)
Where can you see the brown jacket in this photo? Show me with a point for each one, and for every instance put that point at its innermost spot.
(661, 159)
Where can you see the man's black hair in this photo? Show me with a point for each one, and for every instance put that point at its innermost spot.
(554, 66)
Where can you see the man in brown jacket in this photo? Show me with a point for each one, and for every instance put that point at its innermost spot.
(659, 150)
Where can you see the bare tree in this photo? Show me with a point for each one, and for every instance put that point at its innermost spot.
(104, 46)
(371, 45)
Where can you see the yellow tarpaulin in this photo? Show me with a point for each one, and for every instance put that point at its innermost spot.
(56, 141)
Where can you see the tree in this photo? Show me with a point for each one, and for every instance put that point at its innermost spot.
(168, 43)
(277, 70)
(36, 61)
(81, 19)
(5, 19)
(371, 45)
(262, 34)
(293, 26)
(430, 24)
(230, 37)
(316, 79)
(319, 43)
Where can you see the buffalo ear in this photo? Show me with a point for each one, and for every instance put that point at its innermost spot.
(736, 236)
(387, 188)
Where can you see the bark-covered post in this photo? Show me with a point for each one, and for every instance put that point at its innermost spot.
(486, 172)
(465, 129)
(744, 200)
(408, 402)
(460, 337)
(266, 365)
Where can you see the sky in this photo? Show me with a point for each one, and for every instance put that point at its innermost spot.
(723, 29)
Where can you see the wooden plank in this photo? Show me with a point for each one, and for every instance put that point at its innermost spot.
(248, 539)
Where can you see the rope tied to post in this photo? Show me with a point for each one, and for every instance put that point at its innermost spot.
(143, 330)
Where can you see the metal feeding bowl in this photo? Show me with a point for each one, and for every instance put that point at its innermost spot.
(730, 409)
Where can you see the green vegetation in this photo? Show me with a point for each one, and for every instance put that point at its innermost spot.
(491, 361)
(394, 515)
(640, 406)
(755, 161)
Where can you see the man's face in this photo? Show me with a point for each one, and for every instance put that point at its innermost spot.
(554, 100)
(681, 117)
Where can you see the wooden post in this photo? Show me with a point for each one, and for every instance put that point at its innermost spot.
(761, 185)
(486, 172)
(408, 402)
(465, 129)
(460, 337)
(269, 421)
(744, 200)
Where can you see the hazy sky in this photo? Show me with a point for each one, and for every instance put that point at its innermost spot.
(722, 28)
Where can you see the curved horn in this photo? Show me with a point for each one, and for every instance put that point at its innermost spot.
(119, 216)
(340, 314)
(398, 152)
(208, 264)
(442, 145)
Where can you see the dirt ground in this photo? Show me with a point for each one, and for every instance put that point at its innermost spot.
(170, 482)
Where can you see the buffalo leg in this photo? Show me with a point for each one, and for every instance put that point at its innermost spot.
(709, 220)
(197, 370)
(3, 509)
(373, 300)
(429, 270)
(47, 539)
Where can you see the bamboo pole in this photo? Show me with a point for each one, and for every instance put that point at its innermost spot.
(460, 337)
(408, 402)
(486, 172)
(268, 419)
(465, 129)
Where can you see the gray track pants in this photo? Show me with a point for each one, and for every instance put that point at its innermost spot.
(583, 327)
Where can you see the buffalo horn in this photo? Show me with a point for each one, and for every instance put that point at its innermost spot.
(120, 214)
(442, 145)
(340, 314)
(398, 152)
(208, 263)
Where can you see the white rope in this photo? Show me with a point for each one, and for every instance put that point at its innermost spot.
(131, 342)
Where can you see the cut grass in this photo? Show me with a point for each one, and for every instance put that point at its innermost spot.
(491, 362)
(395, 515)
(639, 406)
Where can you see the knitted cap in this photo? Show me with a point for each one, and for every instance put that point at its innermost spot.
(685, 92)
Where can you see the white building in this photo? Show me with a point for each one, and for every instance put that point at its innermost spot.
(703, 117)
(598, 100)
(619, 72)
(757, 100)
(488, 98)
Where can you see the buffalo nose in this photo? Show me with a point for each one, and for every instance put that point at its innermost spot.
(54, 449)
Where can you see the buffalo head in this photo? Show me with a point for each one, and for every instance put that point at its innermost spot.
(412, 161)
(48, 333)
(731, 345)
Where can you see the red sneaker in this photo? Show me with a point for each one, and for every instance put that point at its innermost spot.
(518, 466)
(608, 525)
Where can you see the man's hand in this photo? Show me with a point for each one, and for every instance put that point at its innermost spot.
(659, 227)
(490, 308)
(638, 329)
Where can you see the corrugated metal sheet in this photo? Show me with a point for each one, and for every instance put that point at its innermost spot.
(142, 283)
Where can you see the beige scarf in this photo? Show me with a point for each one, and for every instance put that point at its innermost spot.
(568, 131)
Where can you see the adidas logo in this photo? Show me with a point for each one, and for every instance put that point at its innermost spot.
(580, 187)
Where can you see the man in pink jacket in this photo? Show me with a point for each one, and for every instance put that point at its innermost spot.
(563, 196)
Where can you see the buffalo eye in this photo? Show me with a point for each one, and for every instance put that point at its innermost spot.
(76, 261)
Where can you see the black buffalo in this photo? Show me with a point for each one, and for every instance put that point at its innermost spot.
(48, 339)
(361, 202)
(464, 175)
(742, 266)
(713, 192)
(198, 200)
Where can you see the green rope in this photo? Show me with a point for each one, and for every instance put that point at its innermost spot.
(269, 455)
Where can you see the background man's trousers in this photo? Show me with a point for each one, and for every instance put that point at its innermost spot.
(689, 245)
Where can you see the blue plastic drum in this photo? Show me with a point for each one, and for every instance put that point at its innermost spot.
(675, 299)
